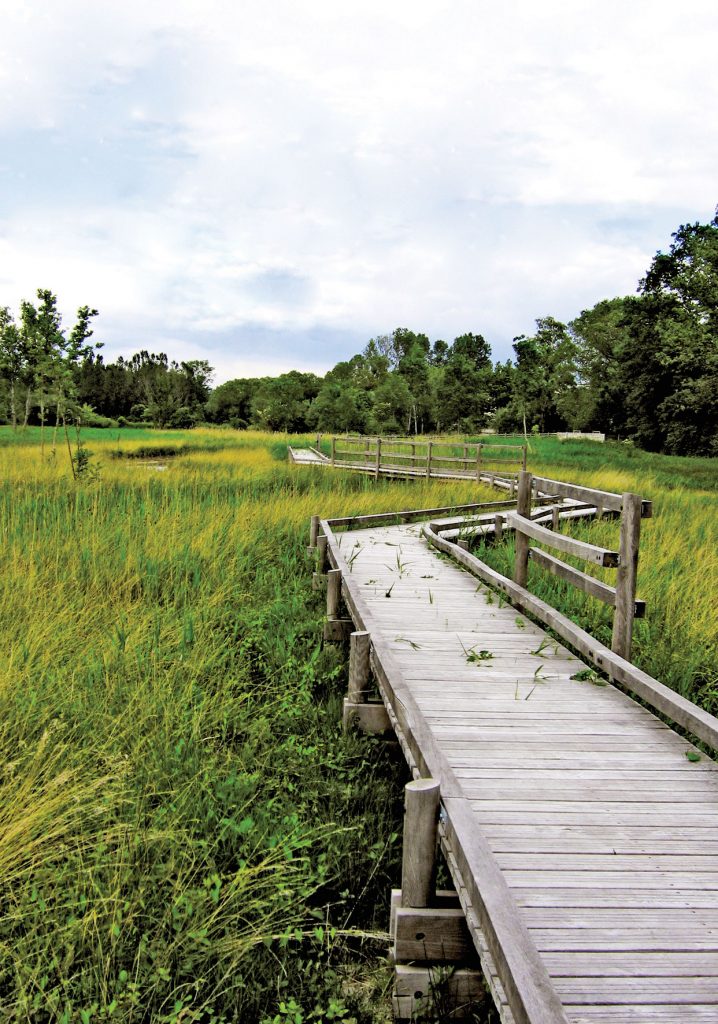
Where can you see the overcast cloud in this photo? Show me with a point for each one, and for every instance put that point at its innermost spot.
(269, 184)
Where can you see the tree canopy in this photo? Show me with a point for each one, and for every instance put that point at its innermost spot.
(642, 366)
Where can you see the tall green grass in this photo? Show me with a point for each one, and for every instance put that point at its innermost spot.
(185, 833)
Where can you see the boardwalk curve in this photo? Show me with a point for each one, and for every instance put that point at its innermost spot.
(582, 840)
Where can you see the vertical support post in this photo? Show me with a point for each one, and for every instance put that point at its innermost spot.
(554, 518)
(599, 511)
(418, 866)
(359, 645)
(478, 462)
(378, 458)
(626, 576)
(428, 459)
(334, 450)
(319, 441)
(465, 463)
(334, 592)
(523, 507)
(498, 527)
(313, 531)
(322, 559)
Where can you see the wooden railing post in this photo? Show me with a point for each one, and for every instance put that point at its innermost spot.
(428, 459)
(334, 593)
(626, 577)
(359, 645)
(523, 507)
(421, 819)
(378, 457)
(478, 462)
(555, 513)
(322, 558)
(498, 528)
(334, 450)
(313, 531)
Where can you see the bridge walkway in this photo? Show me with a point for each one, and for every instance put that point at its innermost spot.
(582, 839)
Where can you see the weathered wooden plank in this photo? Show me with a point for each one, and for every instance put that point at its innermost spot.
(638, 1013)
(619, 991)
(638, 862)
(617, 793)
(555, 896)
(609, 844)
(625, 939)
(654, 918)
(658, 880)
(635, 964)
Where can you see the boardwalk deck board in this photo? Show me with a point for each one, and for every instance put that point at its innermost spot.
(603, 831)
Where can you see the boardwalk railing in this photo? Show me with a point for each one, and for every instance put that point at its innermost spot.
(429, 458)
(566, 820)
(616, 665)
(629, 507)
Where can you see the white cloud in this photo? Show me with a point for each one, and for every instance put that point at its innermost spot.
(199, 171)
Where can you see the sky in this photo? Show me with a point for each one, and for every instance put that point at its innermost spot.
(268, 185)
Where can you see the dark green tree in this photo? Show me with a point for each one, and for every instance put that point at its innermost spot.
(670, 366)
(464, 391)
(545, 376)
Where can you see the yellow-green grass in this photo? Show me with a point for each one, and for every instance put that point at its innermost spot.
(176, 794)
(182, 823)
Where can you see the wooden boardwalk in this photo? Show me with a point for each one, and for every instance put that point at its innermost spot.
(307, 457)
(418, 459)
(582, 840)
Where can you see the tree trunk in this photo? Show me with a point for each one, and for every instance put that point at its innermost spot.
(69, 448)
(42, 428)
(54, 429)
(28, 400)
(13, 412)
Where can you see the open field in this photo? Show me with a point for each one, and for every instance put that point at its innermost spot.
(185, 834)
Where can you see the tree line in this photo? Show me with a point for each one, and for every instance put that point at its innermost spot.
(642, 366)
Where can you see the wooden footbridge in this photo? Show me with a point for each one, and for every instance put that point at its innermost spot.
(420, 457)
(579, 828)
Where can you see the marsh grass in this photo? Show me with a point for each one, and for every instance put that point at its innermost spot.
(185, 833)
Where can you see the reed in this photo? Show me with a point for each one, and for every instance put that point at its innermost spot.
(185, 832)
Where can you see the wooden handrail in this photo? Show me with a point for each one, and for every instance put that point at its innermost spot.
(589, 584)
(602, 499)
(570, 546)
(656, 695)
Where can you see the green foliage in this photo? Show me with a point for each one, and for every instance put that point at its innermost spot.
(194, 837)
